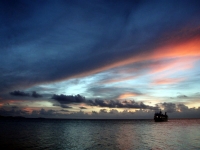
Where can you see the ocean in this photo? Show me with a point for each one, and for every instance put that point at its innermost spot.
(58, 134)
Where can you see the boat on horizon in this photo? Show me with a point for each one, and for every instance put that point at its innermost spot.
(160, 117)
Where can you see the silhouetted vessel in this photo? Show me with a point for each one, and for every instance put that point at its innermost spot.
(159, 117)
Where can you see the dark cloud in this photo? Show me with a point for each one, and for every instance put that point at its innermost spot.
(62, 105)
(65, 106)
(182, 108)
(64, 110)
(13, 112)
(44, 112)
(23, 94)
(178, 109)
(119, 104)
(94, 112)
(15, 107)
(169, 107)
(67, 99)
(36, 95)
(19, 93)
(103, 111)
(82, 107)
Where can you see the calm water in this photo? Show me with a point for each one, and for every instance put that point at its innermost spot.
(99, 134)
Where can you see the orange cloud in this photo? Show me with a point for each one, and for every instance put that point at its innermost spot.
(178, 64)
(189, 48)
(168, 81)
(127, 95)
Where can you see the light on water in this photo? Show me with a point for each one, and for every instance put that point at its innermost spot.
(37, 134)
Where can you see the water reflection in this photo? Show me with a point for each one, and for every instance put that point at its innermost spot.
(99, 134)
(125, 140)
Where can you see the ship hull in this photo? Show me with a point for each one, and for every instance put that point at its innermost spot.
(160, 120)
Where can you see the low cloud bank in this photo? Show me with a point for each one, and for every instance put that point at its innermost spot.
(181, 111)
(24, 94)
(68, 99)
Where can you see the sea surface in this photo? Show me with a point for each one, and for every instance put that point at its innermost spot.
(58, 134)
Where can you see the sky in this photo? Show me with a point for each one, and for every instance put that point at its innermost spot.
(97, 59)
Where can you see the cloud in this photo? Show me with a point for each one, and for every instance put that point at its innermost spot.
(176, 108)
(119, 104)
(163, 71)
(182, 108)
(169, 107)
(82, 107)
(64, 110)
(181, 111)
(67, 99)
(62, 105)
(70, 99)
(113, 92)
(13, 112)
(15, 107)
(23, 94)
(128, 95)
(44, 112)
(65, 106)
(182, 96)
(167, 81)
(19, 93)
(103, 111)
(36, 95)
(118, 80)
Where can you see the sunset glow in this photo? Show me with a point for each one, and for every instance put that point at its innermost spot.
(100, 59)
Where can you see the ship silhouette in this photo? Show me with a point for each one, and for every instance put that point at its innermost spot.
(159, 117)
